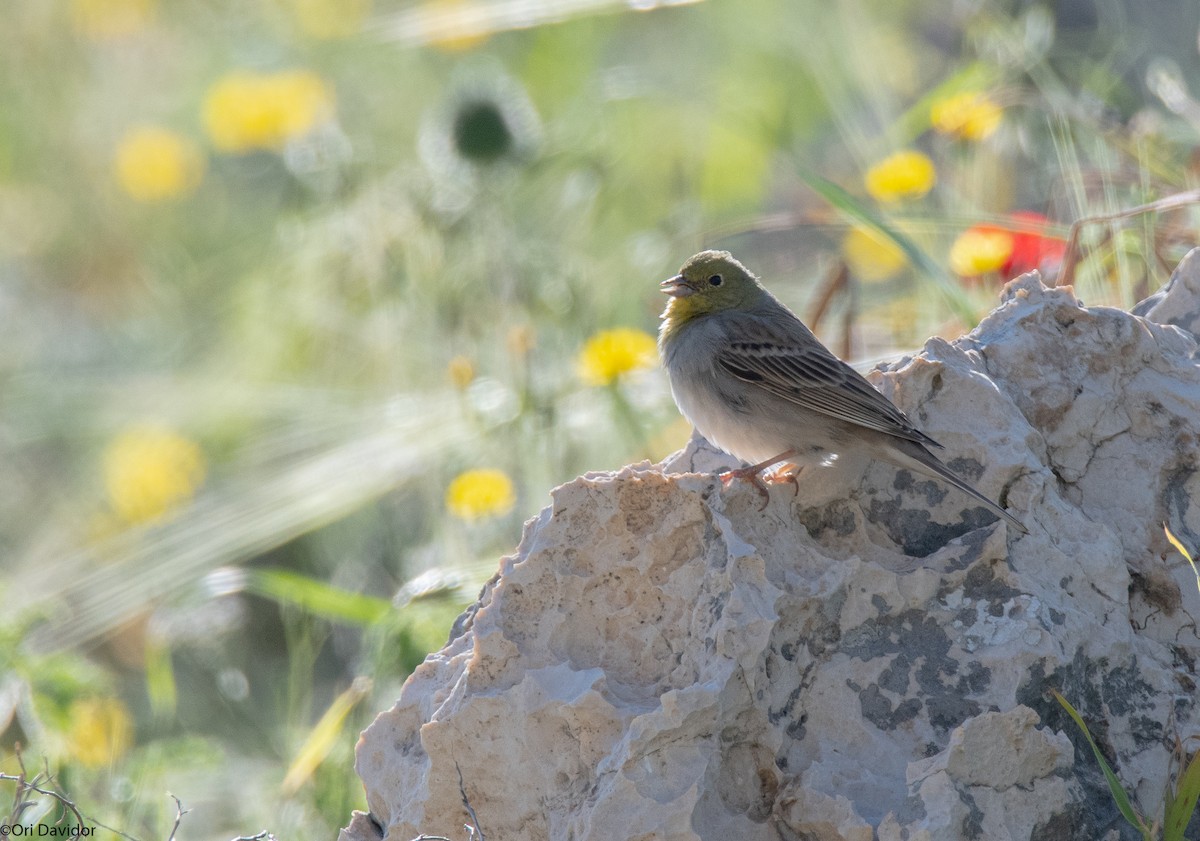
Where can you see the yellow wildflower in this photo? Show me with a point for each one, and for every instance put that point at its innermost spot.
(902, 175)
(155, 164)
(101, 731)
(246, 111)
(870, 255)
(477, 494)
(611, 353)
(149, 471)
(108, 20)
(972, 116)
(327, 19)
(980, 250)
(461, 372)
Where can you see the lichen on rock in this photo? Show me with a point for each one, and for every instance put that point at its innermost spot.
(661, 659)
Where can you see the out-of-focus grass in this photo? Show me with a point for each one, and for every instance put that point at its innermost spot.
(274, 274)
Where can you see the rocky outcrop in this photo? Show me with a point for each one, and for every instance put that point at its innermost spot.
(661, 659)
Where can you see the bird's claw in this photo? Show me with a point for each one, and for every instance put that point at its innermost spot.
(786, 472)
(753, 475)
(754, 471)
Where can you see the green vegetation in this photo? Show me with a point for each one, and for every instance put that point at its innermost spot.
(308, 303)
(1179, 799)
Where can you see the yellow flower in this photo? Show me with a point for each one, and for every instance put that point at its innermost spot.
(611, 353)
(980, 250)
(330, 18)
(246, 111)
(106, 20)
(477, 494)
(101, 731)
(902, 175)
(154, 164)
(461, 371)
(872, 256)
(972, 116)
(149, 471)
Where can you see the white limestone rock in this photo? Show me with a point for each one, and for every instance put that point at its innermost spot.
(869, 658)
(1178, 302)
(999, 773)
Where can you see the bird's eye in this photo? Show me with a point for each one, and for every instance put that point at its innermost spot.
(715, 280)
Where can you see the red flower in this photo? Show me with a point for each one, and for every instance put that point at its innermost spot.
(1032, 248)
(1014, 247)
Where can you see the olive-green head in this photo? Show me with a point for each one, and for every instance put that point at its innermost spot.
(711, 281)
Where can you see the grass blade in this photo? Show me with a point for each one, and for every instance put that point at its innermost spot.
(324, 736)
(1182, 550)
(161, 687)
(316, 597)
(1182, 805)
(1114, 785)
(857, 211)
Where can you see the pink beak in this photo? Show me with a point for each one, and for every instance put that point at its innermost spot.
(676, 287)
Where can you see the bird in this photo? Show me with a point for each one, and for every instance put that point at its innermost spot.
(755, 382)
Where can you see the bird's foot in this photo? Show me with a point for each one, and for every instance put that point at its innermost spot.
(753, 474)
(786, 472)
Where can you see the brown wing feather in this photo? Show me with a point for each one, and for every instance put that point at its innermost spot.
(812, 377)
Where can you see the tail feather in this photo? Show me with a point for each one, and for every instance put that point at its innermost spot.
(919, 458)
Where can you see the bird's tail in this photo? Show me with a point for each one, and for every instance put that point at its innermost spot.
(920, 459)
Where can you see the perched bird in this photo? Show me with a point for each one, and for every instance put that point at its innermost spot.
(758, 384)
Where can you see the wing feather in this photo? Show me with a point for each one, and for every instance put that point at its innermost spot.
(808, 374)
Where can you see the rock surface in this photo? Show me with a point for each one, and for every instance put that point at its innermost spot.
(1178, 302)
(868, 658)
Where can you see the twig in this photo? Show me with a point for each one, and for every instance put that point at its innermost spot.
(39, 784)
(835, 280)
(848, 317)
(18, 805)
(179, 813)
(462, 789)
(24, 784)
(1067, 275)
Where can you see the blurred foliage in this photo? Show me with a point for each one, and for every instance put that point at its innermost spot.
(308, 303)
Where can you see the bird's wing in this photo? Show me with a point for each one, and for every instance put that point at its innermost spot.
(795, 365)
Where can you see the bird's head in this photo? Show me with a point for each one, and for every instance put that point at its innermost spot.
(709, 282)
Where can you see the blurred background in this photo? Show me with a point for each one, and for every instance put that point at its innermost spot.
(307, 304)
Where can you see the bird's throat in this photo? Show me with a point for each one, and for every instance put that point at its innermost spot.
(679, 312)
(672, 320)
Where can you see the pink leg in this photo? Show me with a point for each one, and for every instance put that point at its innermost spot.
(752, 473)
